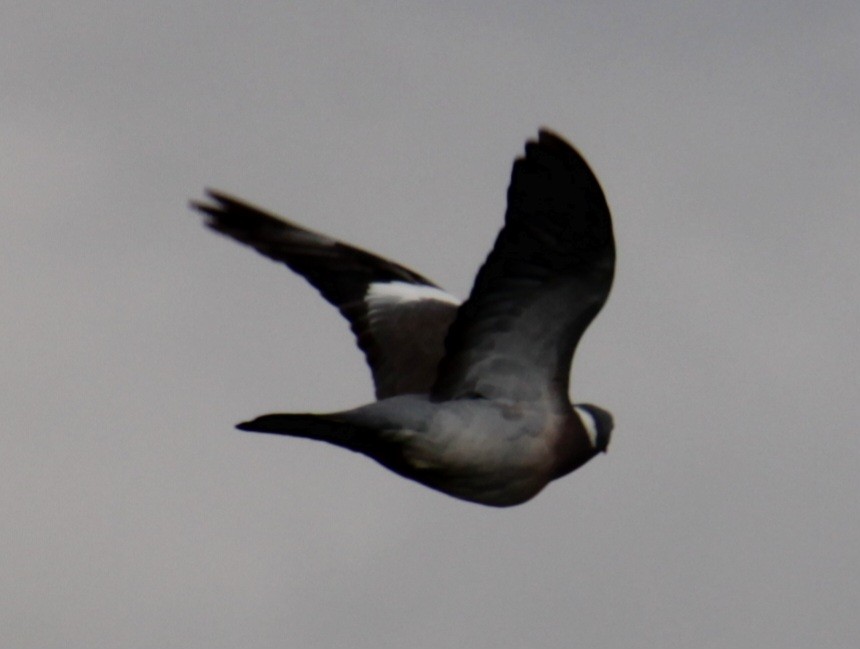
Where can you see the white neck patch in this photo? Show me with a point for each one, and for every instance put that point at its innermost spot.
(400, 292)
(589, 423)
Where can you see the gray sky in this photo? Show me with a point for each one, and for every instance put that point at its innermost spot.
(726, 137)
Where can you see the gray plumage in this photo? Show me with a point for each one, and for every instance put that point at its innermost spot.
(473, 397)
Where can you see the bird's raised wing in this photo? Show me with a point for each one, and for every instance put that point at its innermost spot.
(399, 318)
(545, 280)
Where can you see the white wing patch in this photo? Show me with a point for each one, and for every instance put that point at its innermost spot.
(381, 294)
(589, 423)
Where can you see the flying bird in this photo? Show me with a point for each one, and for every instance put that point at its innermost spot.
(472, 397)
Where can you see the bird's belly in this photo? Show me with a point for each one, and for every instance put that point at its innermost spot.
(494, 472)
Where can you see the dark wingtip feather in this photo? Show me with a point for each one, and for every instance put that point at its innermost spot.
(212, 212)
(547, 136)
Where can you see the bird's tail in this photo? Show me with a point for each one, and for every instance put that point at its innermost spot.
(325, 428)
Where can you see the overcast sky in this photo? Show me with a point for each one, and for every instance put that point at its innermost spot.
(726, 136)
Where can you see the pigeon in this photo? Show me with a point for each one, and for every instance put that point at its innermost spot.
(472, 397)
